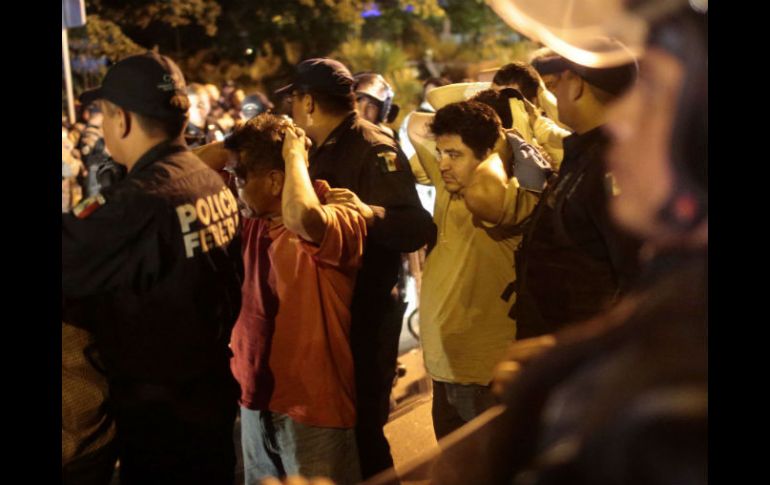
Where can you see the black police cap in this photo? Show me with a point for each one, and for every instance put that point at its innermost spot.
(145, 84)
(322, 75)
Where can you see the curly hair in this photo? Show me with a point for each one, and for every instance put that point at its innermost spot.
(521, 74)
(476, 123)
(259, 143)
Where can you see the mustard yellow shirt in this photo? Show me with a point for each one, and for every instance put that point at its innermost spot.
(464, 323)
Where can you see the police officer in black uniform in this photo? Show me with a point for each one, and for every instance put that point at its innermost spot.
(151, 266)
(573, 261)
(352, 153)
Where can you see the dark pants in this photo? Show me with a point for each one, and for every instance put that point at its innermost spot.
(456, 404)
(177, 441)
(374, 340)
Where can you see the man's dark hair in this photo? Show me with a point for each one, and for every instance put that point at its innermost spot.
(259, 143)
(476, 123)
(436, 81)
(498, 101)
(334, 104)
(521, 74)
(171, 127)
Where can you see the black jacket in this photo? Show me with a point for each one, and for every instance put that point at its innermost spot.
(621, 399)
(153, 268)
(573, 262)
(358, 156)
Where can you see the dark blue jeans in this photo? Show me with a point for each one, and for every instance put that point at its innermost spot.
(456, 404)
(276, 445)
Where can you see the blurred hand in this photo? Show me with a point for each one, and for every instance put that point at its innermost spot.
(518, 354)
(349, 199)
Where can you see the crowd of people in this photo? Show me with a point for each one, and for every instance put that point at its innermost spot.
(223, 255)
(86, 162)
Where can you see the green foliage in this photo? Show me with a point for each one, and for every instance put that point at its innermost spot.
(377, 56)
(98, 39)
(102, 37)
(173, 13)
(257, 43)
(395, 22)
(390, 61)
(471, 17)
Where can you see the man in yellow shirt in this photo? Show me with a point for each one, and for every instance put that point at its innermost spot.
(465, 327)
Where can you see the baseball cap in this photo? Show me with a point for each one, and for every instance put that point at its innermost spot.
(143, 84)
(613, 80)
(323, 75)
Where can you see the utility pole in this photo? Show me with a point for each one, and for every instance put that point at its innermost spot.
(65, 53)
(73, 14)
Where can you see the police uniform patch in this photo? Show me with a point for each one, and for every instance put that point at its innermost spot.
(86, 207)
(612, 184)
(388, 161)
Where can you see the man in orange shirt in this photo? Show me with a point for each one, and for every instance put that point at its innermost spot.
(291, 345)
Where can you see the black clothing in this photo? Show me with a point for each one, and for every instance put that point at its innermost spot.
(620, 400)
(359, 157)
(154, 271)
(194, 136)
(573, 261)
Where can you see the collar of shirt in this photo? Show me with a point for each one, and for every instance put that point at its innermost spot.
(333, 137)
(575, 145)
(157, 152)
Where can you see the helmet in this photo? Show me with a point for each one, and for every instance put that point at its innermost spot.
(253, 105)
(376, 87)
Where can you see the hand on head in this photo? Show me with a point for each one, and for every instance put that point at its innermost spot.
(295, 142)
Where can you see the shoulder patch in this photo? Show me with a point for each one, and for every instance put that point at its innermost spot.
(388, 161)
(88, 206)
(612, 184)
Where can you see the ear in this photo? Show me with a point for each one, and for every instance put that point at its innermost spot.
(577, 84)
(308, 103)
(276, 182)
(124, 122)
